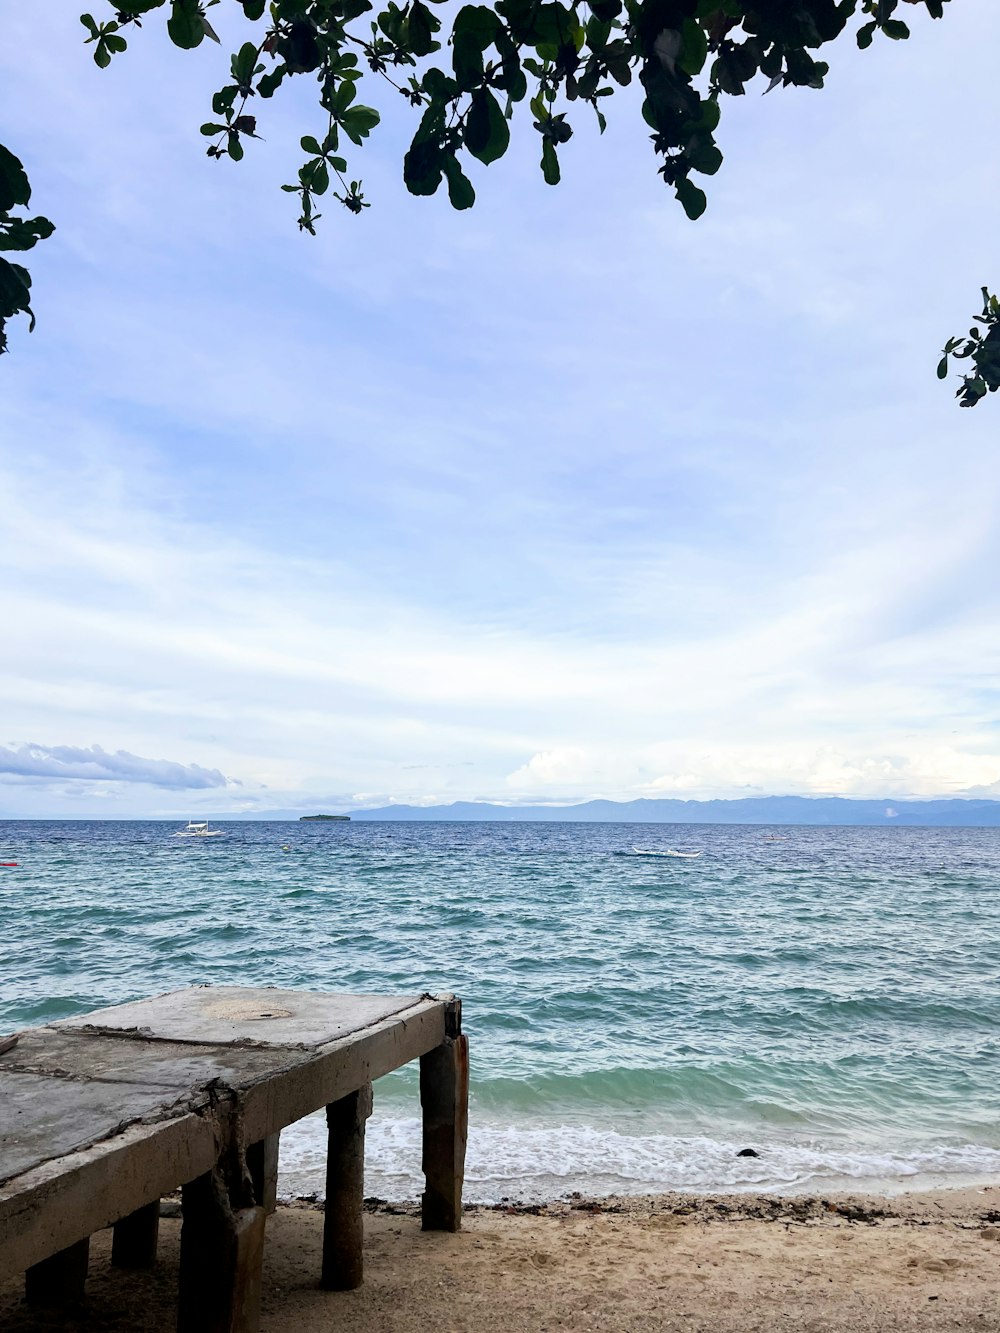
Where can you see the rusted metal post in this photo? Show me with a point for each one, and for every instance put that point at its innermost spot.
(59, 1280)
(262, 1161)
(343, 1267)
(222, 1250)
(134, 1238)
(444, 1097)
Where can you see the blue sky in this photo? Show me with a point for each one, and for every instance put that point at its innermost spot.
(562, 497)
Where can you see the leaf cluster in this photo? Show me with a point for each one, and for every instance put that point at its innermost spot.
(687, 56)
(982, 348)
(16, 233)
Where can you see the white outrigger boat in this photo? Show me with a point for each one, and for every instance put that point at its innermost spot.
(664, 851)
(199, 829)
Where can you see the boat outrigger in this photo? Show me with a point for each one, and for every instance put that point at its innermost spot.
(199, 829)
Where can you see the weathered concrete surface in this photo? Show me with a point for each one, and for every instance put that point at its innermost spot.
(226, 1014)
(42, 1117)
(88, 1056)
(102, 1114)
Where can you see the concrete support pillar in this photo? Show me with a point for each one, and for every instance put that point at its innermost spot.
(262, 1162)
(345, 1181)
(59, 1280)
(444, 1097)
(222, 1249)
(134, 1238)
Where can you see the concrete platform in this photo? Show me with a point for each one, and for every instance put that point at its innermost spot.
(102, 1114)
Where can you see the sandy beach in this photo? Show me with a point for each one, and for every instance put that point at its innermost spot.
(730, 1264)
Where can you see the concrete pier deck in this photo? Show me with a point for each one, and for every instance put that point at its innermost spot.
(102, 1114)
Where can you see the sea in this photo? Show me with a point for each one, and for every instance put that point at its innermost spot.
(827, 997)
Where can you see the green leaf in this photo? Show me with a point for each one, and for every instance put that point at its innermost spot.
(709, 115)
(692, 200)
(474, 30)
(422, 167)
(694, 50)
(184, 25)
(88, 22)
(102, 56)
(550, 163)
(24, 233)
(476, 23)
(234, 147)
(210, 129)
(254, 9)
(942, 369)
(598, 33)
(345, 95)
(14, 187)
(896, 29)
(358, 122)
(487, 134)
(244, 62)
(438, 85)
(704, 156)
(421, 26)
(15, 291)
(222, 101)
(460, 190)
(310, 145)
(268, 85)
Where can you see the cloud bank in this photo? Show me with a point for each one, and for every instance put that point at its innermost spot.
(97, 765)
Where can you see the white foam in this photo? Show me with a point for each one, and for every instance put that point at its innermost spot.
(537, 1162)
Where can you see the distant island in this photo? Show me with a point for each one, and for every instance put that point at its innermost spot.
(816, 810)
(341, 818)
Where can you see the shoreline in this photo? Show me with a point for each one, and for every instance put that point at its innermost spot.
(963, 1204)
(531, 1158)
(742, 1263)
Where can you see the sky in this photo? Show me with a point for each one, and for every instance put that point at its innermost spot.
(562, 497)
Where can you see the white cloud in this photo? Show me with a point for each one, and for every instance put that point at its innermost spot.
(550, 769)
(921, 770)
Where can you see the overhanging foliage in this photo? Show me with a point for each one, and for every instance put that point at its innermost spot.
(560, 56)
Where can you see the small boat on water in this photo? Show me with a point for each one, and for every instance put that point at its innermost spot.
(664, 851)
(199, 829)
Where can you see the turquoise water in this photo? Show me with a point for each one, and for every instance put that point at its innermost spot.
(830, 999)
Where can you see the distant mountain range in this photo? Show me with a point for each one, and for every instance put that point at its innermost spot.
(747, 810)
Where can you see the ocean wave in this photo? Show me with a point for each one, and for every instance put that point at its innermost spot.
(545, 1162)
